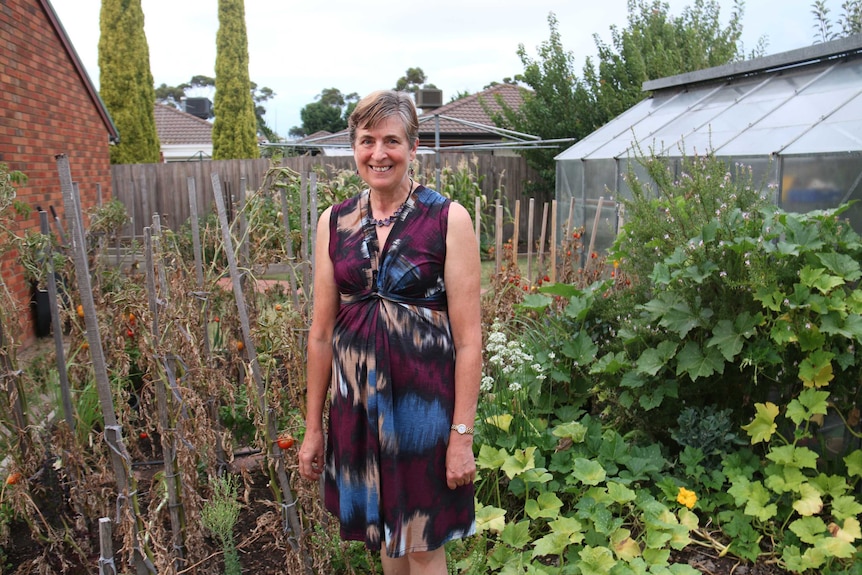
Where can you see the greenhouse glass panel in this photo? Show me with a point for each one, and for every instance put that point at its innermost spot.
(820, 182)
(644, 130)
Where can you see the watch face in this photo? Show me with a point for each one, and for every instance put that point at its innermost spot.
(461, 428)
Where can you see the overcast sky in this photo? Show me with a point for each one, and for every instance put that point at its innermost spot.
(298, 48)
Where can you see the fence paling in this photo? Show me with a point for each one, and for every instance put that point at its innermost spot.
(126, 483)
(276, 458)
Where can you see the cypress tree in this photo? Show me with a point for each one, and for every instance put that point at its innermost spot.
(126, 81)
(235, 127)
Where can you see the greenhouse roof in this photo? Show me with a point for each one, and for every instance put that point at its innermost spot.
(802, 102)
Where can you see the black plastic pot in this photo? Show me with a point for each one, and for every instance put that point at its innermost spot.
(41, 312)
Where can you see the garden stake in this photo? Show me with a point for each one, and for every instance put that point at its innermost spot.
(477, 219)
(65, 393)
(169, 446)
(120, 460)
(596, 221)
(498, 237)
(59, 225)
(303, 228)
(312, 216)
(273, 451)
(203, 296)
(552, 255)
(106, 548)
(515, 230)
(541, 252)
(17, 399)
(288, 245)
(530, 216)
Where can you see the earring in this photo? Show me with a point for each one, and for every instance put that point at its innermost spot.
(410, 172)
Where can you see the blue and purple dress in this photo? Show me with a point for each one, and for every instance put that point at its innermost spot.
(393, 381)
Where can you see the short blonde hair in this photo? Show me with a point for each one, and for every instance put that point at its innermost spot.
(380, 105)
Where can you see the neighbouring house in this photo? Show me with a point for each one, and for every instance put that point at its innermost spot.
(48, 106)
(463, 123)
(795, 118)
(183, 137)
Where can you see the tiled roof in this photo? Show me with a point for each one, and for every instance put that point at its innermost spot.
(176, 127)
(471, 109)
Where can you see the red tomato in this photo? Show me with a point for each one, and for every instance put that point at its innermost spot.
(285, 442)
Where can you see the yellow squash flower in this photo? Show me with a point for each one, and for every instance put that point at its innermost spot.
(686, 497)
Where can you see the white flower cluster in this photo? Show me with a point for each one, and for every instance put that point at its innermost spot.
(507, 358)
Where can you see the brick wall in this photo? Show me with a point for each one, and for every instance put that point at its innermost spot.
(45, 110)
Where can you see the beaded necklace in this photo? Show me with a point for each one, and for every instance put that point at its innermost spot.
(386, 222)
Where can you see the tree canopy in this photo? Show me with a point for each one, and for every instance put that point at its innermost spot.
(654, 44)
(413, 80)
(849, 21)
(126, 81)
(235, 127)
(328, 113)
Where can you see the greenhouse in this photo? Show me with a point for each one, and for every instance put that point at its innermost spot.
(795, 118)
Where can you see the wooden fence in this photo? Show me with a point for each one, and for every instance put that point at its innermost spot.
(147, 189)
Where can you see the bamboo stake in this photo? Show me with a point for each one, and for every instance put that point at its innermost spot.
(273, 452)
(245, 258)
(596, 221)
(169, 447)
(530, 217)
(303, 228)
(196, 234)
(541, 254)
(553, 251)
(312, 215)
(288, 246)
(65, 392)
(120, 459)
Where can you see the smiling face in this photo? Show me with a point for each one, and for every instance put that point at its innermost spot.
(383, 155)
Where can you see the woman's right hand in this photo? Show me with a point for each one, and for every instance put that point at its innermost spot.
(311, 456)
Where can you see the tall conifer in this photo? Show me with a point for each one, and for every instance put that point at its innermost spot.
(235, 127)
(126, 83)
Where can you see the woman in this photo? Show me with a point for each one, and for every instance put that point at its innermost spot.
(396, 337)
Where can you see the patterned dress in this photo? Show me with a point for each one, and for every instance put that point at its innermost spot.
(393, 381)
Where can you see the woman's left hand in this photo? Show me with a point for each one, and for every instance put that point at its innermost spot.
(460, 462)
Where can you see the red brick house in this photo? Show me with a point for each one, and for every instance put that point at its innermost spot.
(48, 106)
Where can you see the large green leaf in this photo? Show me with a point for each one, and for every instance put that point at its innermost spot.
(588, 471)
(693, 361)
(841, 264)
(763, 425)
(651, 361)
(516, 535)
(819, 279)
(596, 561)
(547, 505)
(730, 335)
(580, 348)
(519, 462)
(810, 402)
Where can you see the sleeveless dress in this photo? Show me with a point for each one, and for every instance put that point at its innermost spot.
(393, 381)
